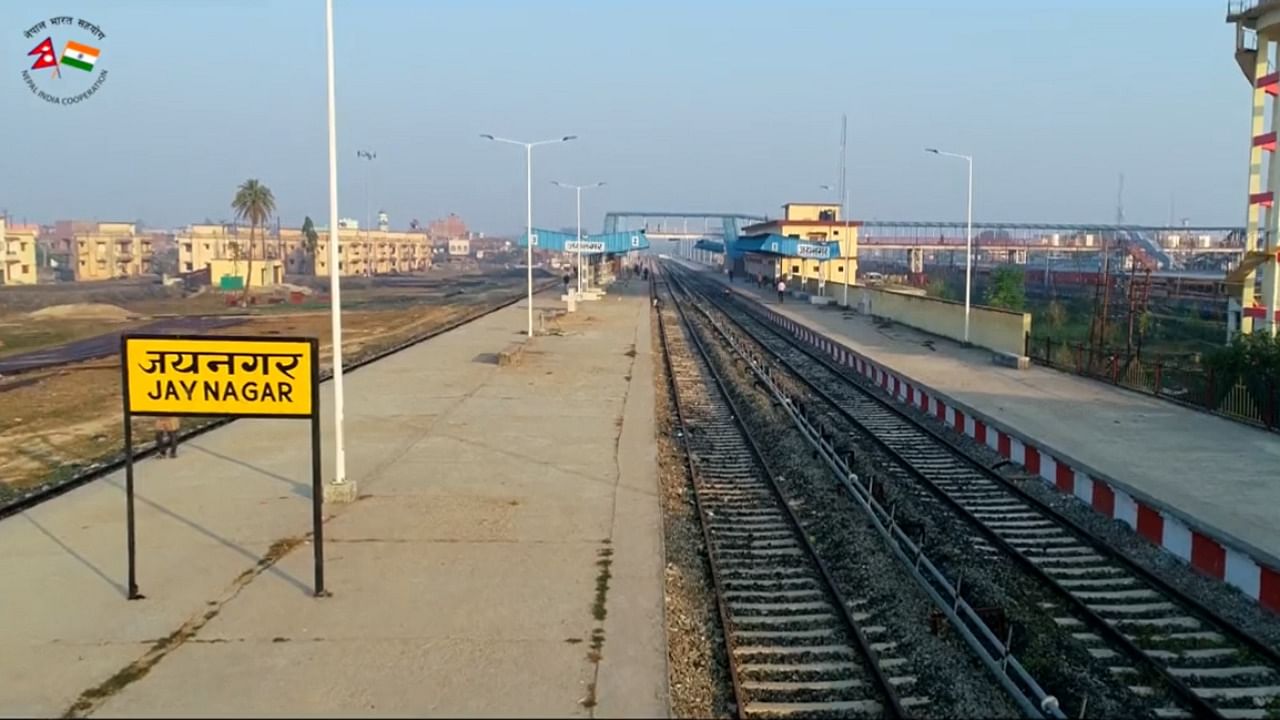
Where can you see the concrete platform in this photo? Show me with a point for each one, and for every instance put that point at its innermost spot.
(1171, 472)
(504, 558)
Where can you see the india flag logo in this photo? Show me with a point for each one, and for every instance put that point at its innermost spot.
(81, 57)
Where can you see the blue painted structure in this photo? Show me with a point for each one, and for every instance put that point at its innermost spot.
(731, 223)
(774, 244)
(709, 246)
(603, 244)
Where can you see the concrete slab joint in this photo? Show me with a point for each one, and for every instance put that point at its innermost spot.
(340, 492)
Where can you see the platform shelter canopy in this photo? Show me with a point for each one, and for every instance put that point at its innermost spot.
(602, 244)
(773, 244)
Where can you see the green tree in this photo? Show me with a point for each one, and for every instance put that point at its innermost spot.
(936, 288)
(1055, 315)
(1006, 288)
(1253, 360)
(254, 203)
(310, 241)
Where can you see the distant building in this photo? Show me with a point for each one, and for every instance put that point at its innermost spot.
(104, 251)
(362, 252)
(459, 247)
(447, 228)
(235, 274)
(18, 254)
(198, 245)
(374, 253)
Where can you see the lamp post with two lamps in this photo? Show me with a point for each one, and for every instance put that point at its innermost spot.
(528, 153)
(578, 189)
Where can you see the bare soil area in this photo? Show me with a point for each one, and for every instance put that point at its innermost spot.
(55, 423)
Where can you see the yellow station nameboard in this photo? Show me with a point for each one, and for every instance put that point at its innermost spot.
(219, 376)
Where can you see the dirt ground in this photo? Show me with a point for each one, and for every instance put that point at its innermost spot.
(56, 422)
(20, 333)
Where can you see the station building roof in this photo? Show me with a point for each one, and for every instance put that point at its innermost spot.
(710, 246)
(780, 245)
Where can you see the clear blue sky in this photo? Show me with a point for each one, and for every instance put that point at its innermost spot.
(691, 105)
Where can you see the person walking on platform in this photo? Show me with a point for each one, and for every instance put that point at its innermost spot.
(730, 276)
(166, 436)
(565, 280)
(782, 291)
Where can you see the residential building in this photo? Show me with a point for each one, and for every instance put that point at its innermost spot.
(815, 222)
(18, 253)
(60, 244)
(376, 252)
(109, 250)
(363, 252)
(198, 245)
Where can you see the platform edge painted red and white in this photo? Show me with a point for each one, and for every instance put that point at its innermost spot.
(1210, 551)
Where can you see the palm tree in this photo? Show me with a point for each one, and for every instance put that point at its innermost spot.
(255, 203)
(310, 240)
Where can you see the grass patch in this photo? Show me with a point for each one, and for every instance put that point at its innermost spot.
(598, 609)
(138, 669)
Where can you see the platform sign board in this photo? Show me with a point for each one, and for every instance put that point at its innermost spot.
(221, 376)
(810, 250)
(584, 246)
(216, 376)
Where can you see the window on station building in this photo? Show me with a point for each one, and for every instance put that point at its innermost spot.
(839, 268)
(795, 268)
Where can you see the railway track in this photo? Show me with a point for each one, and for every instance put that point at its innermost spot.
(795, 646)
(1155, 639)
(45, 493)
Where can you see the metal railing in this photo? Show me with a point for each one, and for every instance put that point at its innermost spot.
(1235, 7)
(1248, 400)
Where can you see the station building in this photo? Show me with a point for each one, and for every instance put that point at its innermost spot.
(810, 224)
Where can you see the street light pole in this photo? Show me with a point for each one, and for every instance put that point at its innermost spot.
(844, 205)
(528, 154)
(339, 490)
(368, 172)
(578, 236)
(968, 236)
(578, 189)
